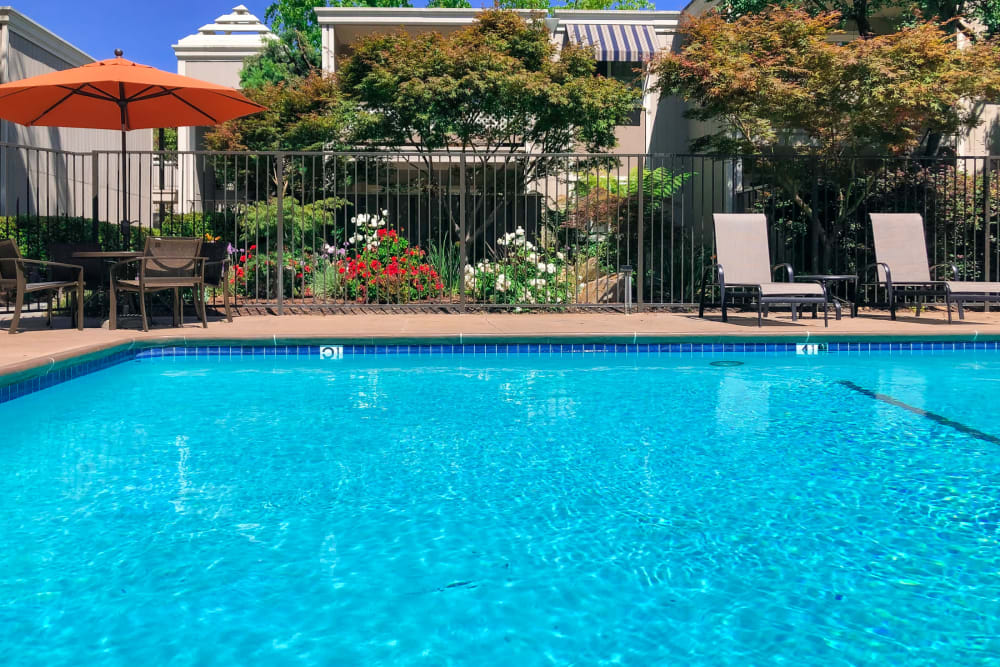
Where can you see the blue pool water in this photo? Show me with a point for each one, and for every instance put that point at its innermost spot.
(521, 510)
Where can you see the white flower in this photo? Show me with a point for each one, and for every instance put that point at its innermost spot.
(550, 268)
(519, 231)
(537, 282)
(561, 257)
(385, 213)
(531, 257)
(541, 267)
(502, 283)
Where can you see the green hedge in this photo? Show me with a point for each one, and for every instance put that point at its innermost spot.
(34, 233)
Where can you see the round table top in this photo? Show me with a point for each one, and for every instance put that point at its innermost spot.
(107, 254)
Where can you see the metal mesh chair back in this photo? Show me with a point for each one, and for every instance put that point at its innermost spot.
(215, 253)
(8, 250)
(899, 242)
(95, 269)
(171, 257)
(741, 248)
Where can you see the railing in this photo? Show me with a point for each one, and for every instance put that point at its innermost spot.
(503, 231)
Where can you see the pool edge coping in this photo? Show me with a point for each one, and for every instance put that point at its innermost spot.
(29, 369)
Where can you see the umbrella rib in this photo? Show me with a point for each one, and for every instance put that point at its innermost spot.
(137, 98)
(151, 96)
(71, 93)
(174, 94)
(46, 112)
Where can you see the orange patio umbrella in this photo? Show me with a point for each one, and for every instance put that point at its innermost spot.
(118, 94)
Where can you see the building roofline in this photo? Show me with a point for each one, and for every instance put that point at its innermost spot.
(42, 36)
(404, 15)
(657, 18)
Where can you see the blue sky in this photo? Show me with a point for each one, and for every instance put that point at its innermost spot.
(145, 29)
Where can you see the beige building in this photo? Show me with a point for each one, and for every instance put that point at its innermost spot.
(214, 53)
(50, 170)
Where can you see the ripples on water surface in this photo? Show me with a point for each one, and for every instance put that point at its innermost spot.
(518, 510)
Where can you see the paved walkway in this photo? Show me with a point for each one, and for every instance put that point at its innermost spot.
(41, 346)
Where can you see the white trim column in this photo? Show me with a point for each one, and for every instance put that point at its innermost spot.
(328, 49)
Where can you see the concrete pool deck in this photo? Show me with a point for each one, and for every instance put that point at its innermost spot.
(39, 346)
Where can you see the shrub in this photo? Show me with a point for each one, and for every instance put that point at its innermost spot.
(520, 273)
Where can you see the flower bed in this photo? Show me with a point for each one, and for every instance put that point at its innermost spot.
(520, 273)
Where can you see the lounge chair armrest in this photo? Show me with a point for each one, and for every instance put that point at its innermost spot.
(949, 265)
(879, 265)
(790, 272)
(45, 262)
(720, 274)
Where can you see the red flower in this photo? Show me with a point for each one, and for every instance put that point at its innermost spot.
(253, 247)
(243, 258)
(298, 275)
(341, 269)
(308, 269)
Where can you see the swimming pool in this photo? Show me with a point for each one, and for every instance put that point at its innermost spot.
(499, 509)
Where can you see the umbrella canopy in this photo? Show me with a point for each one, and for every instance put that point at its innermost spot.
(118, 94)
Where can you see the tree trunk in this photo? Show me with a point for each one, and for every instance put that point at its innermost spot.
(862, 17)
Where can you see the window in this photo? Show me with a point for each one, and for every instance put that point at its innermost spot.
(628, 73)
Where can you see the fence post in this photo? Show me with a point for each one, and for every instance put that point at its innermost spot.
(95, 202)
(814, 220)
(462, 249)
(641, 259)
(987, 219)
(279, 168)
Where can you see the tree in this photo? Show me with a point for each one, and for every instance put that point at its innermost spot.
(483, 89)
(776, 85)
(296, 51)
(776, 81)
(609, 4)
(861, 12)
(302, 114)
(486, 91)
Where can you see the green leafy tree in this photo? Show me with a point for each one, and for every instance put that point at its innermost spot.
(489, 91)
(609, 4)
(296, 51)
(302, 114)
(484, 89)
(289, 57)
(449, 4)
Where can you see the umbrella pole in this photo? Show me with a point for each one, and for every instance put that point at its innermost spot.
(125, 224)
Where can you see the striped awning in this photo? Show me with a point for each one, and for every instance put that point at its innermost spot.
(618, 43)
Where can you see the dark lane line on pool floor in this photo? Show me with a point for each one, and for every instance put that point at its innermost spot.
(933, 416)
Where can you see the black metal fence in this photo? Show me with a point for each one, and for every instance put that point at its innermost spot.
(506, 231)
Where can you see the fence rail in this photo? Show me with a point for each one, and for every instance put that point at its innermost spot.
(504, 231)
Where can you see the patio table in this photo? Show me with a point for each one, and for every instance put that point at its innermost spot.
(826, 279)
(111, 257)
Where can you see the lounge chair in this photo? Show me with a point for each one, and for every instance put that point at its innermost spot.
(14, 276)
(901, 265)
(744, 263)
(167, 264)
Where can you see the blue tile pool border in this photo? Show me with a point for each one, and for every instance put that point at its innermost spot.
(20, 384)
